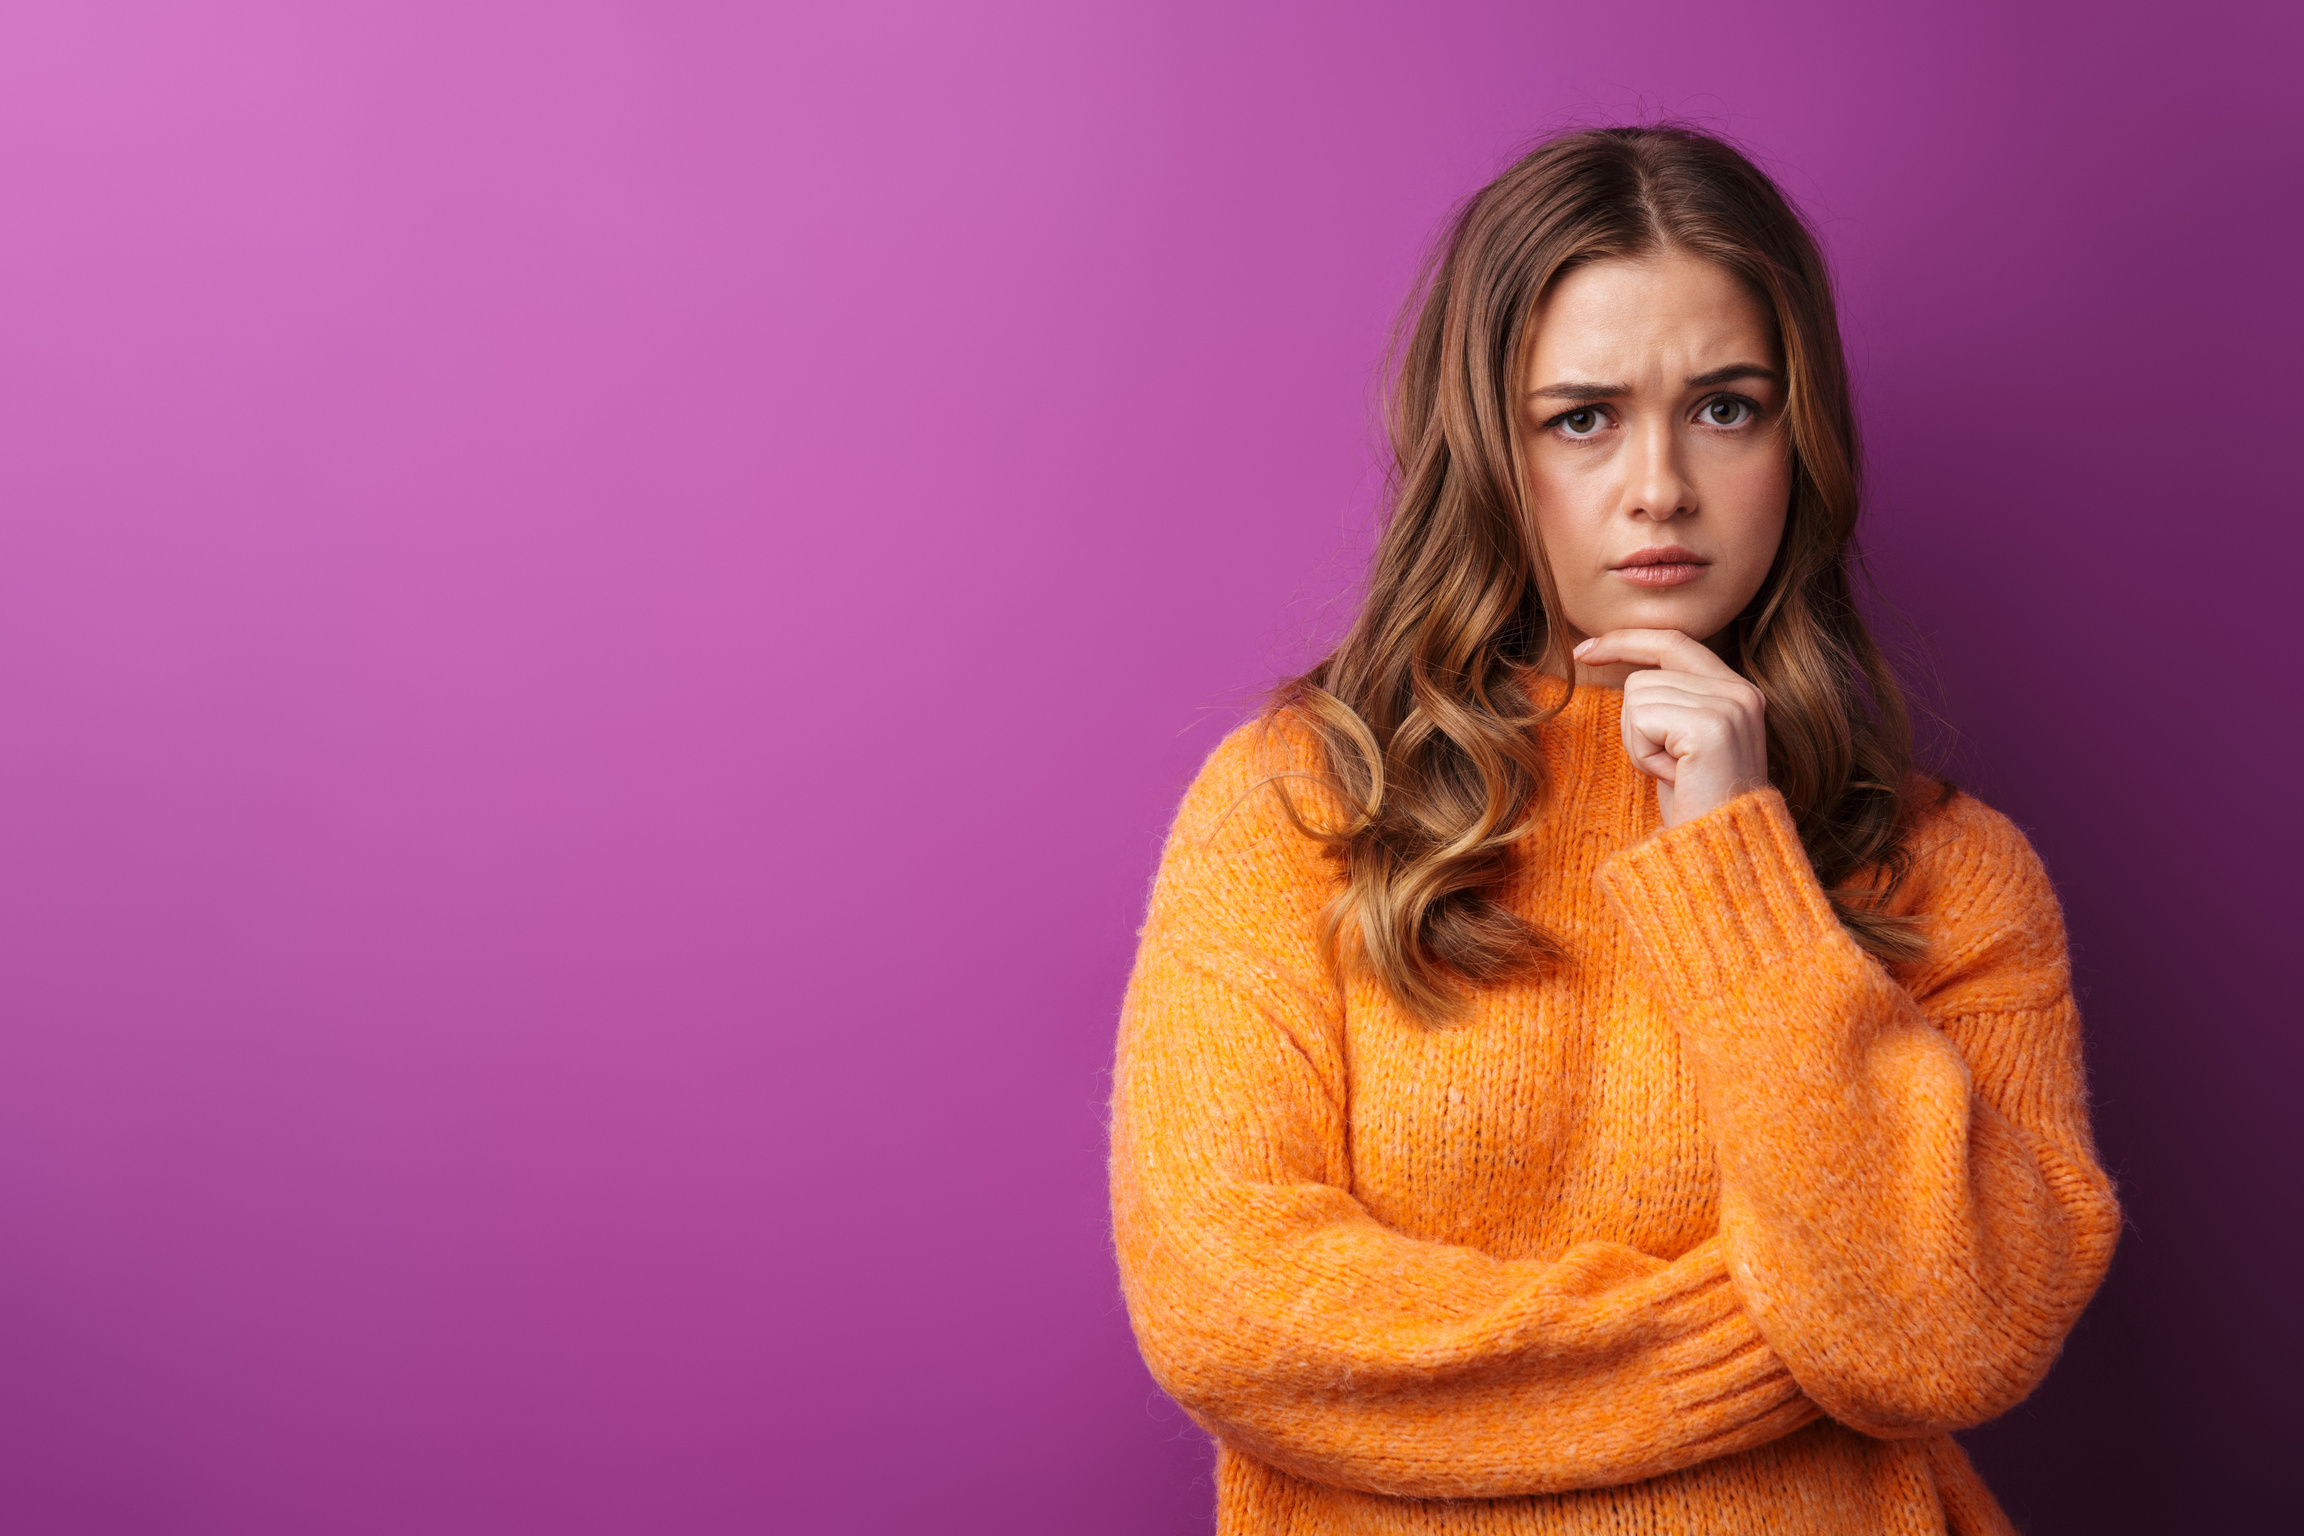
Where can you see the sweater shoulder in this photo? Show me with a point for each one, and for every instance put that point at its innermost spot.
(1246, 785)
(1996, 936)
(1965, 853)
(1243, 862)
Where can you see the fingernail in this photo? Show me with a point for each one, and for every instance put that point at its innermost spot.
(1581, 647)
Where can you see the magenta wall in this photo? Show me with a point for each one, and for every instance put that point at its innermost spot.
(601, 607)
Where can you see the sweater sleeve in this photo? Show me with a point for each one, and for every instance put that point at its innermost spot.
(1283, 1316)
(1910, 1197)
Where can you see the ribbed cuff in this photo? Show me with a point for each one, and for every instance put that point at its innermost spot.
(1723, 900)
(1721, 1379)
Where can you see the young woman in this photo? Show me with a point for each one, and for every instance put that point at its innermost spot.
(1578, 1075)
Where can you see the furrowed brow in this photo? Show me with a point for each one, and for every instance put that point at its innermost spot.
(1579, 391)
(1733, 372)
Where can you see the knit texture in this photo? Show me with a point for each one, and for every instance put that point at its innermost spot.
(1720, 1226)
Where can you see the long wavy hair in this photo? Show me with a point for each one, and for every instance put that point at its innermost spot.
(1426, 713)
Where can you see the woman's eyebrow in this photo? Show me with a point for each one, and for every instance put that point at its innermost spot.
(1572, 391)
(1735, 371)
(1580, 391)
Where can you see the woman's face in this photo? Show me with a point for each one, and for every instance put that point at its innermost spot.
(1657, 457)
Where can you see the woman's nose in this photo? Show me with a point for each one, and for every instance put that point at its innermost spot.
(1659, 488)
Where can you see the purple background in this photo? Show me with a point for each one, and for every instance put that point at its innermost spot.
(602, 606)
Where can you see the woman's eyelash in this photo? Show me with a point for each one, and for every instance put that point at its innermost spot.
(1577, 410)
(1751, 405)
(1745, 401)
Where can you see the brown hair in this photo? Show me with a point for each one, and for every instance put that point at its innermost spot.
(1424, 714)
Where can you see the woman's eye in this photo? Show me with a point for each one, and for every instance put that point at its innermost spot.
(1728, 413)
(1581, 423)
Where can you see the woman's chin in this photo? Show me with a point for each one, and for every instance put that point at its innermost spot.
(1698, 619)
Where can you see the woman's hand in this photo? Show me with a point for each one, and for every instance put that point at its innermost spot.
(1692, 723)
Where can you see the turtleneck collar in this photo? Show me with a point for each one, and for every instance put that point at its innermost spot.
(1584, 746)
(1545, 692)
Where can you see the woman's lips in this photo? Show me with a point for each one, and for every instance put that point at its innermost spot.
(1668, 572)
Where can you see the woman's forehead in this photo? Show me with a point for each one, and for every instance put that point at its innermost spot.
(1607, 319)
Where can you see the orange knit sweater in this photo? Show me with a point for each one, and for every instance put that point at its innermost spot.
(1720, 1227)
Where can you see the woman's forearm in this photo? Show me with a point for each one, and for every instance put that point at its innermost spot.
(1911, 1203)
(1286, 1318)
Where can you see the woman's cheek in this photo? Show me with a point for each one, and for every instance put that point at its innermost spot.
(1752, 513)
(1571, 534)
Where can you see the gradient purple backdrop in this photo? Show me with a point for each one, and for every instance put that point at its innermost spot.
(602, 607)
